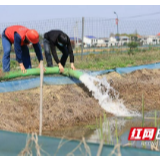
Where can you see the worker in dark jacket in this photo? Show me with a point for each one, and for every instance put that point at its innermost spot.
(57, 38)
(20, 36)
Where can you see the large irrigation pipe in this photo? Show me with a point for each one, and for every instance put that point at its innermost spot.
(36, 72)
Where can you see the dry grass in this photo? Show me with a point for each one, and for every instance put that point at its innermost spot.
(73, 105)
(65, 105)
(1, 73)
(32, 142)
(142, 82)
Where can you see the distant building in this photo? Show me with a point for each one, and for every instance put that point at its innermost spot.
(101, 42)
(112, 42)
(123, 40)
(150, 40)
(158, 34)
(75, 42)
(106, 41)
(90, 41)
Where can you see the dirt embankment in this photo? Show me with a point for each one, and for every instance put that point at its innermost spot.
(64, 105)
(141, 83)
(70, 105)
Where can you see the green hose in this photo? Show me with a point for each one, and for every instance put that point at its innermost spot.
(36, 72)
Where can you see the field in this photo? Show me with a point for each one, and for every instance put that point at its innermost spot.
(71, 110)
(105, 59)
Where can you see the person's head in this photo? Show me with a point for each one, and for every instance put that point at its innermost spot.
(62, 39)
(32, 36)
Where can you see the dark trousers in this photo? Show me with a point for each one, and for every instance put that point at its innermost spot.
(48, 56)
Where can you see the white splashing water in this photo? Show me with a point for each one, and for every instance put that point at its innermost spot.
(107, 96)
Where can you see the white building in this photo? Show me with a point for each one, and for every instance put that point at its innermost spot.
(123, 40)
(101, 43)
(112, 42)
(118, 41)
(150, 40)
(90, 41)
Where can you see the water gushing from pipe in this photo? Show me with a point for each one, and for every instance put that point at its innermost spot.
(106, 95)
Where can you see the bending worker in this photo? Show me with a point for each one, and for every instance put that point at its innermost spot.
(57, 38)
(20, 36)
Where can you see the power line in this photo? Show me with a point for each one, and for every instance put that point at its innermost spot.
(150, 14)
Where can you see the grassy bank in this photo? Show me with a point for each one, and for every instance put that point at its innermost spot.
(105, 60)
(108, 60)
(113, 60)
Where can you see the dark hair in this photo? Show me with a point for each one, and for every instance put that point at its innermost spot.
(62, 38)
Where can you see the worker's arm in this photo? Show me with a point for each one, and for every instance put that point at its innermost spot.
(18, 51)
(38, 50)
(71, 54)
(70, 51)
(55, 56)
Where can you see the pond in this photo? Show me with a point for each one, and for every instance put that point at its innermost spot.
(111, 130)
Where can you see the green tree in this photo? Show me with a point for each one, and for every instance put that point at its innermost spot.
(132, 46)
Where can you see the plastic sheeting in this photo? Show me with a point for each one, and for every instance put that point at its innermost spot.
(13, 143)
(134, 68)
(23, 84)
(127, 69)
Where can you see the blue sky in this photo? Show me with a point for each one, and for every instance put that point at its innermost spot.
(15, 13)
(145, 19)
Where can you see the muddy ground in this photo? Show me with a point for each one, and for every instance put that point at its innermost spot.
(73, 105)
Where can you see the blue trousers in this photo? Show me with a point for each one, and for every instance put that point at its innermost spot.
(6, 56)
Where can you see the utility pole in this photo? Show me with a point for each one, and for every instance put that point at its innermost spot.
(77, 31)
(82, 38)
(75, 37)
(76, 34)
(116, 21)
(117, 27)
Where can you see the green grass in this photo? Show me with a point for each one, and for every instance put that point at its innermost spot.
(106, 60)
(109, 61)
